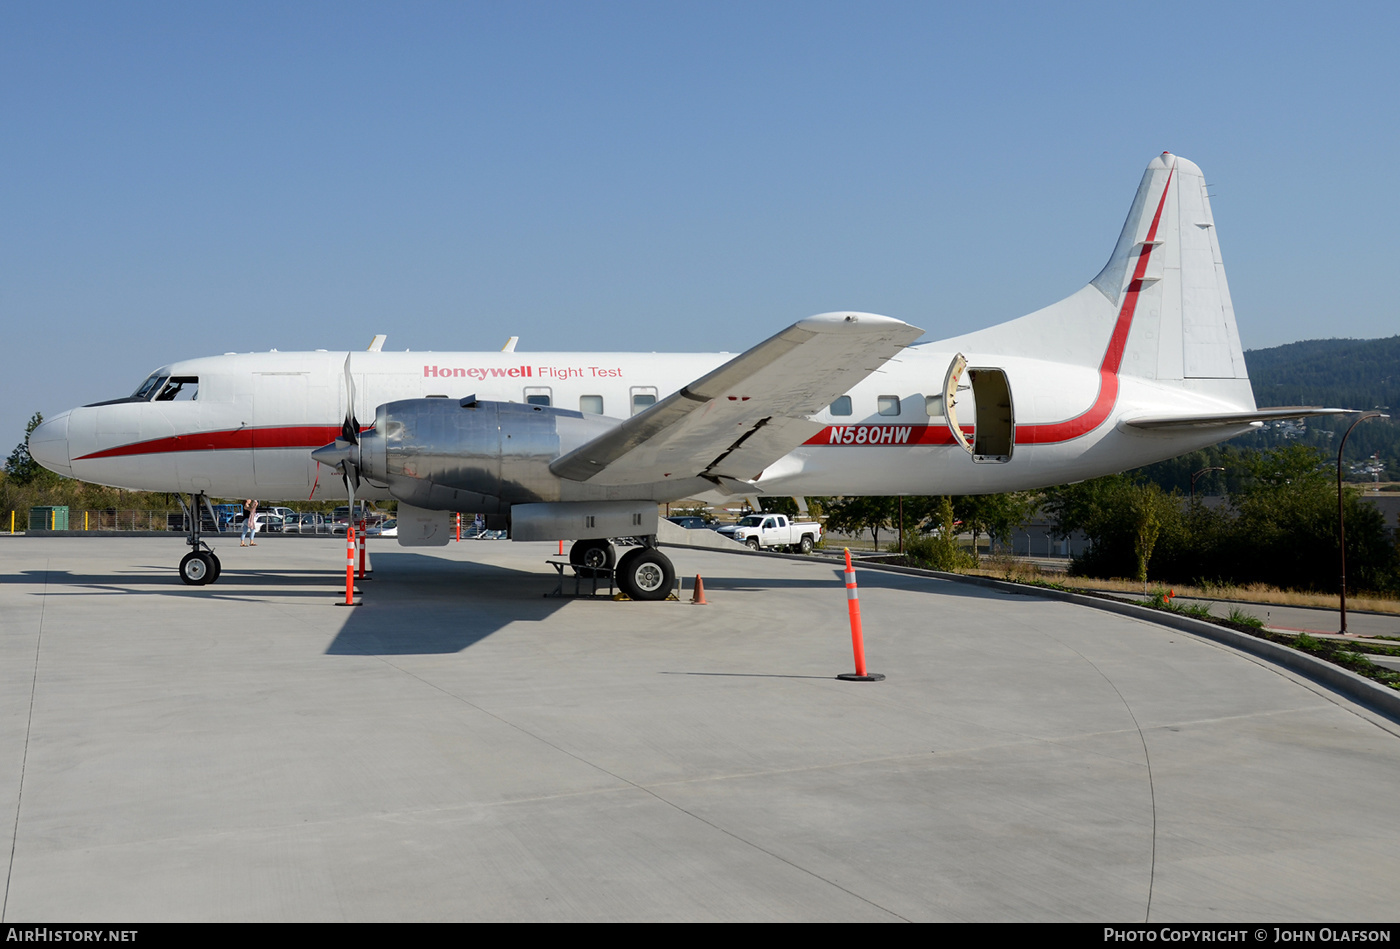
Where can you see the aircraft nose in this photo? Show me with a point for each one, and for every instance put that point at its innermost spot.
(48, 445)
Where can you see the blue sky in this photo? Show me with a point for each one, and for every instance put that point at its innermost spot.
(185, 179)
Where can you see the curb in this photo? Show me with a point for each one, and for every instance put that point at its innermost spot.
(1361, 690)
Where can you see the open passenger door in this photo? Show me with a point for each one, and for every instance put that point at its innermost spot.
(994, 419)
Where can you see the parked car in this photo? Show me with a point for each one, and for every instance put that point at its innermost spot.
(690, 522)
(269, 523)
(308, 523)
(181, 522)
(372, 516)
(389, 528)
(774, 530)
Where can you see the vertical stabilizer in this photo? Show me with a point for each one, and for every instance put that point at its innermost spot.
(1167, 267)
(1160, 309)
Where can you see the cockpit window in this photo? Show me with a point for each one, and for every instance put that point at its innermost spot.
(179, 389)
(149, 388)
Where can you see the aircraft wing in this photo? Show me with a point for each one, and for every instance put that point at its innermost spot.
(1232, 418)
(751, 411)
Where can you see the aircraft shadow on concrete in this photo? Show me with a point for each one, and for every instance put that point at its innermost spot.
(162, 580)
(413, 604)
(865, 579)
(418, 604)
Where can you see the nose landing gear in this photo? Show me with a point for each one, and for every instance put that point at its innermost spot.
(200, 565)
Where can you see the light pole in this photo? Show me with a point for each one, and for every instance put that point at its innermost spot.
(1193, 481)
(1341, 517)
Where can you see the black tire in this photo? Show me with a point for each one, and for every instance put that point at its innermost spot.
(806, 546)
(752, 543)
(589, 556)
(645, 574)
(218, 568)
(196, 568)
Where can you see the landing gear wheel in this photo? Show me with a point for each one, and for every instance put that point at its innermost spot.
(645, 574)
(197, 568)
(806, 545)
(218, 567)
(753, 543)
(588, 556)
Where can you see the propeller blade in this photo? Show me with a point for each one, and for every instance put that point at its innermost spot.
(350, 430)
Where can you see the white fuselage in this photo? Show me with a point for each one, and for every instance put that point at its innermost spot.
(255, 418)
(1141, 364)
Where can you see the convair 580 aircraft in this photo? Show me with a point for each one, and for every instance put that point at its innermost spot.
(1142, 364)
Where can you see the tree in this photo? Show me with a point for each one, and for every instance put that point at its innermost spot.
(778, 505)
(938, 549)
(855, 515)
(1124, 521)
(996, 515)
(20, 467)
(1279, 527)
(1150, 510)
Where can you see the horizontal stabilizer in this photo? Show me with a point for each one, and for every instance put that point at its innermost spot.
(1230, 419)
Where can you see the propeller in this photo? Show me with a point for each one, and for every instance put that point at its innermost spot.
(343, 454)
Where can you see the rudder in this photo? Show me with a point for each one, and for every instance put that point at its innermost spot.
(1160, 309)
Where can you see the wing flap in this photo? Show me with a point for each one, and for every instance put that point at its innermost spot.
(749, 412)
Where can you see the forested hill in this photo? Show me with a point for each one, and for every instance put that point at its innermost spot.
(1337, 373)
(1343, 373)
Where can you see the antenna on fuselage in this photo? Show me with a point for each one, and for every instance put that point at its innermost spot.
(509, 347)
(376, 344)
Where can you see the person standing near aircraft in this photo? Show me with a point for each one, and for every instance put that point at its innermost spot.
(250, 523)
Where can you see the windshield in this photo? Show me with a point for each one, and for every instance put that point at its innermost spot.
(149, 388)
(753, 520)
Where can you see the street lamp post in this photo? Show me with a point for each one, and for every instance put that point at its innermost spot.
(1197, 475)
(1341, 517)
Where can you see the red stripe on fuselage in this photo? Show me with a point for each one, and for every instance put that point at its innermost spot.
(314, 436)
(1092, 417)
(237, 439)
(1097, 413)
(883, 436)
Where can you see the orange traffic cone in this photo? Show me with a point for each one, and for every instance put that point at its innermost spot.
(698, 596)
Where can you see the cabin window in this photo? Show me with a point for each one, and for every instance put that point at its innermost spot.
(643, 398)
(539, 395)
(933, 405)
(537, 400)
(179, 389)
(592, 404)
(841, 406)
(889, 404)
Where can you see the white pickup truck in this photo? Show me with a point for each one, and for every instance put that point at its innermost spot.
(774, 530)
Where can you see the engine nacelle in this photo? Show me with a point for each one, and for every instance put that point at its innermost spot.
(470, 455)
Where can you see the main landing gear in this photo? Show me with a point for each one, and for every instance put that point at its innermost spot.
(588, 557)
(643, 573)
(200, 565)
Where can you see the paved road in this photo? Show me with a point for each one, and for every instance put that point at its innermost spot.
(462, 748)
(1295, 618)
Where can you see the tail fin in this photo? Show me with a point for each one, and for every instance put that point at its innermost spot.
(1160, 309)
